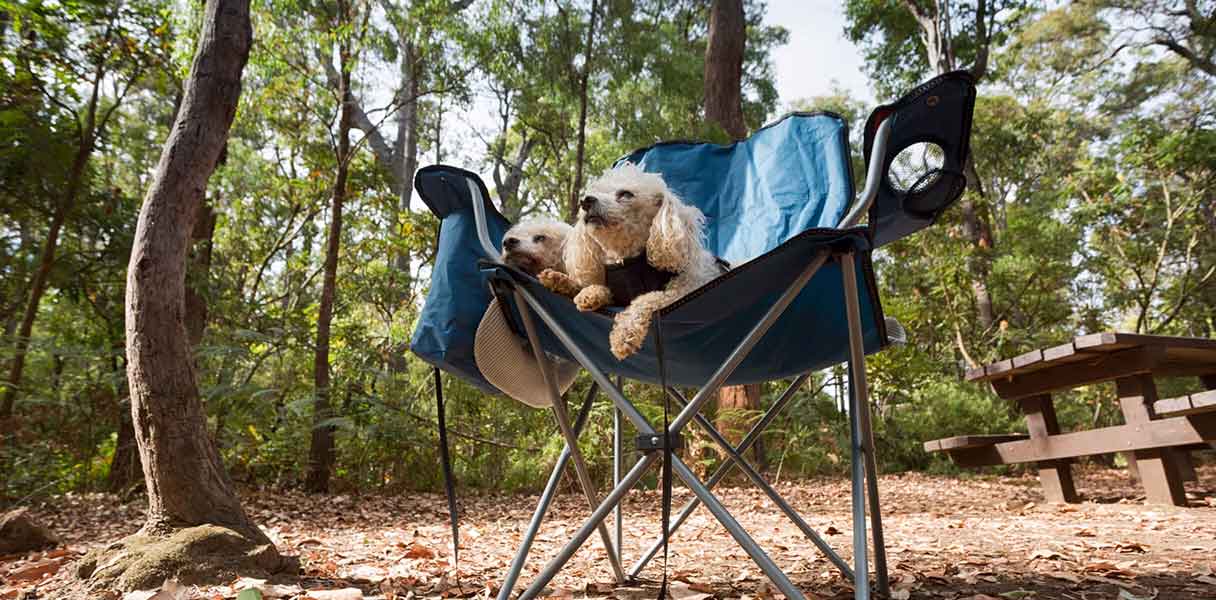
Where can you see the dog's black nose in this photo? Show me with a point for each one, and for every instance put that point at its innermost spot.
(510, 244)
(588, 202)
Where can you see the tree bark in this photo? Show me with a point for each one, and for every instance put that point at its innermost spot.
(407, 141)
(724, 67)
(321, 450)
(187, 483)
(731, 401)
(580, 153)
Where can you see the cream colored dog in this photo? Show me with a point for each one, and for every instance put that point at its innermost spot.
(535, 245)
(623, 214)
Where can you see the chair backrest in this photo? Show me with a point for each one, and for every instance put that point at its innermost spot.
(790, 176)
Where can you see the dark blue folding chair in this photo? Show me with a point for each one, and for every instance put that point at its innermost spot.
(802, 296)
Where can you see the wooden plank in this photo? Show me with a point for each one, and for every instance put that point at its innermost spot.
(1028, 358)
(1204, 400)
(1187, 405)
(1125, 340)
(959, 442)
(1187, 355)
(999, 367)
(1158, 467)
(1093, 340)
(1068, 376)
(1181, 404)
(1057, 352)
(1161, 433)
(1054, 475)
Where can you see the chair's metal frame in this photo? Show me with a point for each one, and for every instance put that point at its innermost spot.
(864, 469)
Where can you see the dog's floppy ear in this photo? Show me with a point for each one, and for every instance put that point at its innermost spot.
(675, 234)
(583, 256)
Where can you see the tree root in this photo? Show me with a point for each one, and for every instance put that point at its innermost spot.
(206, 554)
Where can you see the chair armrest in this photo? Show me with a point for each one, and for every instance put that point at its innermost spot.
(937, 112)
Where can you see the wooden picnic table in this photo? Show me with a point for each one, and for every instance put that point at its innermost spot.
(1155, 432)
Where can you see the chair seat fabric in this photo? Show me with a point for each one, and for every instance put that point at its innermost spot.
(701, 330)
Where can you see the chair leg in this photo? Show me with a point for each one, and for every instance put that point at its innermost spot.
(865, 470)
(563, 424)
(618, 457)
(542, 507)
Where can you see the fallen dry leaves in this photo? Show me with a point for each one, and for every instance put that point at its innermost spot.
(977, 538)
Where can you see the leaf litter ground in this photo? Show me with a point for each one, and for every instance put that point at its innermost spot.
(974, 538)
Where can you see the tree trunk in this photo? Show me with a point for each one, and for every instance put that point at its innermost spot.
(580, 154)
(508, 186)
(321, 450)
(724, 67)
(124, 465)
(407, 142)
(187, 483)
(734, 402)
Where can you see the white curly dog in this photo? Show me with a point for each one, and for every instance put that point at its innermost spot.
(535, 245)
(625, 214)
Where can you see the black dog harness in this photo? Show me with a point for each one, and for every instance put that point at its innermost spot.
(636, 276)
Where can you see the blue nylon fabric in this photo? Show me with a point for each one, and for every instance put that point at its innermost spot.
(459, 295)
(764, 199)
(699, 334)
(786, 178)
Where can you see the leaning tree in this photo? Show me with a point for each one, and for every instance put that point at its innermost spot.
(196, 528)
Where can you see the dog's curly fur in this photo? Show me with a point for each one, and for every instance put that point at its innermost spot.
(535, 245)
(626, 211)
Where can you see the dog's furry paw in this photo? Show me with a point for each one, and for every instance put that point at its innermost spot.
(558, 283)
(625, 339)
(593, 298)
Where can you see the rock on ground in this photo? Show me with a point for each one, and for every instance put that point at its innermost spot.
(19, 533)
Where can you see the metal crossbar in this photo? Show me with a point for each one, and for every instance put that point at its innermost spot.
(723, 470)
(758, 479)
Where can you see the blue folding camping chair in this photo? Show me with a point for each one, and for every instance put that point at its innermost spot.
(802, 296)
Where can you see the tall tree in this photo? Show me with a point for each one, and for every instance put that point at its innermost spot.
(188, 487)
(321, 449)
(724, 67)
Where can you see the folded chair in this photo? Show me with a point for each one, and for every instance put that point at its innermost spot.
(802, 296)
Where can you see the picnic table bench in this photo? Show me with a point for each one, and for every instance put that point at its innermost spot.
(1156, 433)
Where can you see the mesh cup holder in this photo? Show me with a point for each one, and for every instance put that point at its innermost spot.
(933, 191)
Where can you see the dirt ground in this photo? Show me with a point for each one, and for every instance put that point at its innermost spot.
(973, 538)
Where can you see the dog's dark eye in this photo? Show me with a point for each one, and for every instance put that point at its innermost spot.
(624, 195)
(539, 239)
